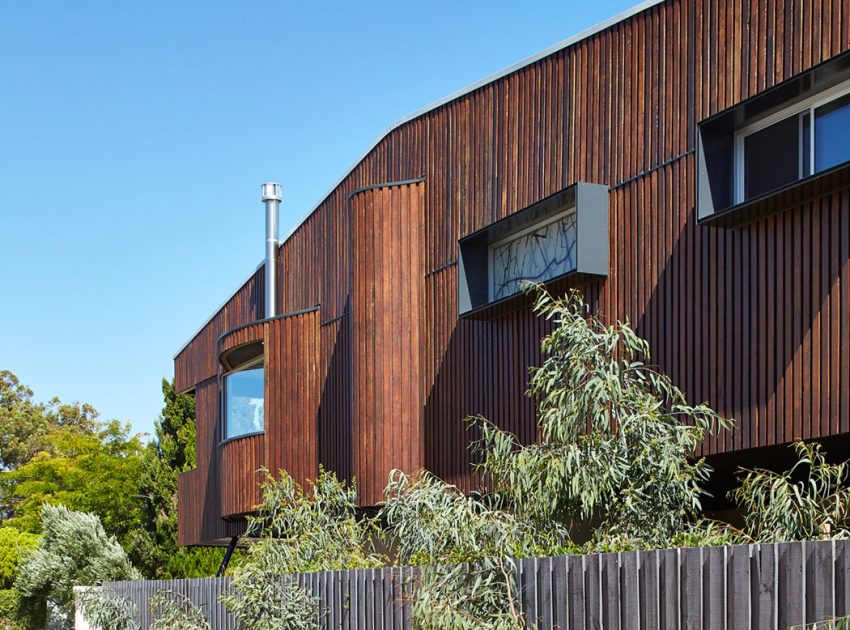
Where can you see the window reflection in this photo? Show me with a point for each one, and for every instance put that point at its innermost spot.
(832, 134)
(243, 402)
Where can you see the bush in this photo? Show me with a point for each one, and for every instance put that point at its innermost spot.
(815, 507)
(617, 440)
(297, 530)
(74, 551)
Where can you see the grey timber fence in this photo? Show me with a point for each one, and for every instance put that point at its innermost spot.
(776, 586)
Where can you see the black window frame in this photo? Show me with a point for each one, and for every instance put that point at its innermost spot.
(720, 162)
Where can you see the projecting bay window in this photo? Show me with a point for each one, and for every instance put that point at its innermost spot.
(778, 149)
(560, 239)
(243, 400)
(789, 146)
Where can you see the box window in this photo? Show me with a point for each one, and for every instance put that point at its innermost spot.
(776, 150)
(774, 153)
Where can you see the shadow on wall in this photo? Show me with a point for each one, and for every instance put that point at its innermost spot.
(335, 403)
(478, 367)
(750, 321)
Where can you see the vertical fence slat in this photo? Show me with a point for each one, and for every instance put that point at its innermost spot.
(690, 572)
(842, 578)
(544, 593)
(738, 592)
(575, 586)
(714, 587)
(791, 584)
(630, 590)
(610, 570)
(819, 581)
(764, 617)
(561, 594)
(668, 575)
(731, 588)
(592, 594)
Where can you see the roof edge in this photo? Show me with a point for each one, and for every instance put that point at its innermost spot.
(566, 43)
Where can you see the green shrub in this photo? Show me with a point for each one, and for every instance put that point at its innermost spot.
(814, 507)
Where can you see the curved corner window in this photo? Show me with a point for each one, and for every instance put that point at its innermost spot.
(244, 400)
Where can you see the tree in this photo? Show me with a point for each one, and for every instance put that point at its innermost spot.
(617, 440)
(92, 472)
(14, 547)
(24, 424)
(74, 550)
(171, 452)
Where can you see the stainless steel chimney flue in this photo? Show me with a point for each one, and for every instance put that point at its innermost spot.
(271, 196)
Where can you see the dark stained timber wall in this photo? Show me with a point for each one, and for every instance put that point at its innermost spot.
(755, 321)
(388, 296)
(226, 482)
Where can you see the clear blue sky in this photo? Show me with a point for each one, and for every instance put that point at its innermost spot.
(134, 137)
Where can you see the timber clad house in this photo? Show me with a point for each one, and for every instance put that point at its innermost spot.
(686, 165)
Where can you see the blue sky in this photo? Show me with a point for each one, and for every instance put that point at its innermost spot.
(134, 137)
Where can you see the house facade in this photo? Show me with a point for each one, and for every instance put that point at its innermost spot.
(686, 165)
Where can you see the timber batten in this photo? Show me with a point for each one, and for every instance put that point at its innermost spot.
(755, 321)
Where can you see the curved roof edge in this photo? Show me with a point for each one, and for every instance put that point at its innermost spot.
(585, 34)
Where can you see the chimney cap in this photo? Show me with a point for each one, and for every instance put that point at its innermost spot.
(272, 191)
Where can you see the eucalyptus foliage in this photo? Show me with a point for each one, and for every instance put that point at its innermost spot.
(465, 547)
(814, 507)
(175, 611)
(298, 530)
(74, 551)
(617, 439)
(108, 611)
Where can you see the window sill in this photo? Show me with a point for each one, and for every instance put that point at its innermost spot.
(521, 300)
(781, 199)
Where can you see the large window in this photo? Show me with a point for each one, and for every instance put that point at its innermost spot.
(788, 146)
(244, 400)
(776, 150)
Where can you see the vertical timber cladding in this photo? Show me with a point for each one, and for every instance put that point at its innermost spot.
(388, 295)
(293, 392)
(755, 321)
(199, 495)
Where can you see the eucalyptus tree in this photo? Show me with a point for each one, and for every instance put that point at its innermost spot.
(617, 440)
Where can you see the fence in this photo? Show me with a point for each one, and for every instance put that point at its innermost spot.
(737, 587)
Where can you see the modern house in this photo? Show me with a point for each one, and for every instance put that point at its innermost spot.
(685, 164)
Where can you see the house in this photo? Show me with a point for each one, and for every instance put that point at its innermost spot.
(685, 164)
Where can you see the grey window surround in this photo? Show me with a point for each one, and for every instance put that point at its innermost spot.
(590, 203)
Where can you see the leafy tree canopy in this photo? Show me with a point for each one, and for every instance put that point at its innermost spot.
(171, 452)
(14, 546)
(24, 424)
(617, 438)
(93, 472)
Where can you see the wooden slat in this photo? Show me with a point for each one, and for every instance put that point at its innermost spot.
(754, 321)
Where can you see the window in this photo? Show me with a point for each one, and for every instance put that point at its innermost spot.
(538, 253)
(777, 149)
(786, 146)
(244, 397)
(562, 239)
